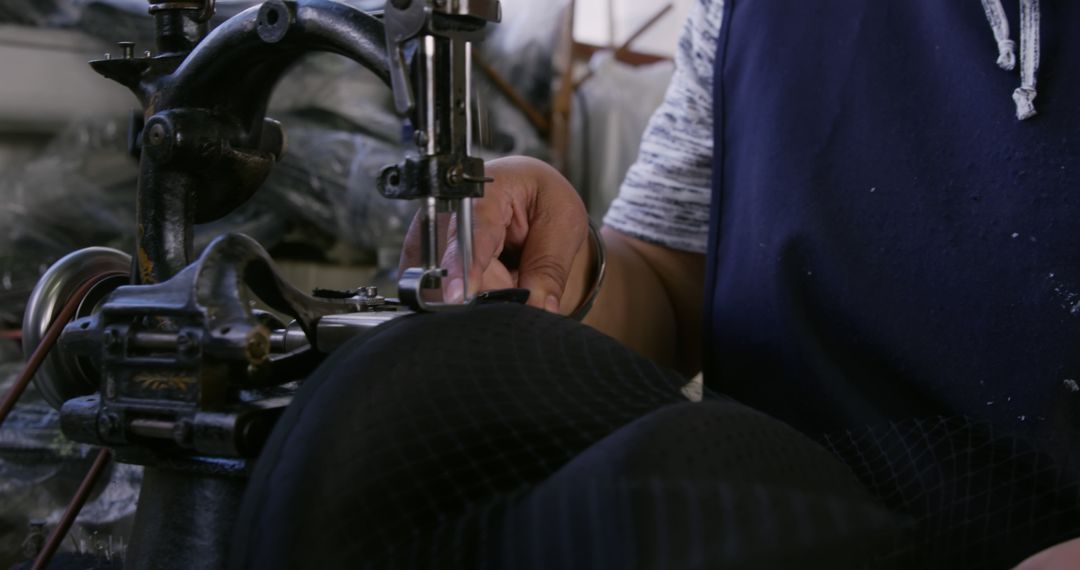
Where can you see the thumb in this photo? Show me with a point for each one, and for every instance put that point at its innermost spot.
(548, 256)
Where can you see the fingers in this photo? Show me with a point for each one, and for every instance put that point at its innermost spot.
(530, 210)
(489, 236)
(497, 276)
(1062, 556)
(557, 231)
(413, 247)
(410, 249)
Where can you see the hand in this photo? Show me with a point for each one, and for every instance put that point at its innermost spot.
(1065, 556)
(529, 228)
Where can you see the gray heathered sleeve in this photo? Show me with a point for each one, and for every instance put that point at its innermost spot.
(665, 197)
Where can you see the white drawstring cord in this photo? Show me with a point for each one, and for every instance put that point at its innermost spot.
(995, 14)
(1024, 96)
(1029, 59)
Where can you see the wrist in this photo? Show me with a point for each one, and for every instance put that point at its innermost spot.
(587, 275)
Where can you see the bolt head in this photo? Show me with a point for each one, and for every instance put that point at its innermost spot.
(111, 339)
(258, 347)
(183, 433)
(455, 176)
(394, 178)
(156, 135)
(109, 424)
(187, 343)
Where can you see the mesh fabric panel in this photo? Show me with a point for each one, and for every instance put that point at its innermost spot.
(504, 437)
(975, 496)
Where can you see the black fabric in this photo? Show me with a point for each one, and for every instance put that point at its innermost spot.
(891, 245)
(505, 437)
(976, 496)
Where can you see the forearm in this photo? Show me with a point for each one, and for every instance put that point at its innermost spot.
(651, 299)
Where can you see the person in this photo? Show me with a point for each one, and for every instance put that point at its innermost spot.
(859, 218)
(855, 216)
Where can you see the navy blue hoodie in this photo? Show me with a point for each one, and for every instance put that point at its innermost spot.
(895, 255)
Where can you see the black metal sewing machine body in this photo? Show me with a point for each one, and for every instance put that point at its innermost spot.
(183, 362)
(188, 367)
(176, 371)
(207, 145)
(185, 365)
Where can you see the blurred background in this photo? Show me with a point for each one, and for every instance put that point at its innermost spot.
(570, 82)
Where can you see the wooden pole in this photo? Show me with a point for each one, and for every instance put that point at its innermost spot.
(628, 45)
(563, 99)
(538, 120)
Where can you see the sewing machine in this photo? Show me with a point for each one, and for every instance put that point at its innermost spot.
(166, 363)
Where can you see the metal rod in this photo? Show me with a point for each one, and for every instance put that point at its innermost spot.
(468, 98)
(73, 509)
(465, 211)
(430, 228)
(153, 340)
(156, 429)
(430, 46)
(465, 242)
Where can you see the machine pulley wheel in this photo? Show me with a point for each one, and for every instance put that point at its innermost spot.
(64, 376)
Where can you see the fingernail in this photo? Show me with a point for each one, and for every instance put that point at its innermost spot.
(455, 291)
(552, 304)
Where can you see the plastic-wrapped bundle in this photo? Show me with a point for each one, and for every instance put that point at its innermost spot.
(79, 191)
(37, 12)
(326, 180)
(114, 20)
(522, 47)
(39, 472)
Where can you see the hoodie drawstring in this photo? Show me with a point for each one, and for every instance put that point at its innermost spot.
(995, 13)
(1024, 96)
(1029, 59)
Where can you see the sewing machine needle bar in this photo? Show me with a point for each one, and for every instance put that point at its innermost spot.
(465, 241)
(430, 105)
(431, 233)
